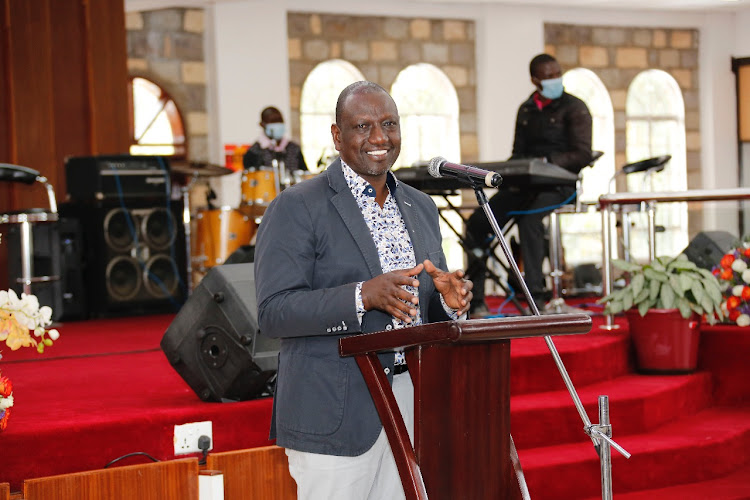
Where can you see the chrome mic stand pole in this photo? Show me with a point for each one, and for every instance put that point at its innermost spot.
(596, 433)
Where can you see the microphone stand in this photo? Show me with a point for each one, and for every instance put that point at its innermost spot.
(601, 433)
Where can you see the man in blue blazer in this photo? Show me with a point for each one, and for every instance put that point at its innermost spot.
(351, 250)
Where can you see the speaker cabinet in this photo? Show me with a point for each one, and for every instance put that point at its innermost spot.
(214, 343)
(134, 257)
(708, 247)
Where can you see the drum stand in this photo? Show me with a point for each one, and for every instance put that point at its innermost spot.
(600, 433)
(185, 191)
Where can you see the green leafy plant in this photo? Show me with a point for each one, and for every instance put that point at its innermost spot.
(667, 283)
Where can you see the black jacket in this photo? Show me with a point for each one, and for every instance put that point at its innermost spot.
(560, 132)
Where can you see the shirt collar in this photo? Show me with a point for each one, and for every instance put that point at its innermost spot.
(360, 187)
(541, 101)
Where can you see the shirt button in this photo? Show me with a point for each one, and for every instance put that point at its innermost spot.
(389, 326)
(328, 330)
(387, 371)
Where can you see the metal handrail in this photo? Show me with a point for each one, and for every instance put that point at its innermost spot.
(607, 201)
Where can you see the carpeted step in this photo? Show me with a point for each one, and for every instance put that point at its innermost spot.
(701, 447)
(734, 486)
(637, 404)
(589, 358)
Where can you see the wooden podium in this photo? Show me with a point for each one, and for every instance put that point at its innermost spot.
(461, 376)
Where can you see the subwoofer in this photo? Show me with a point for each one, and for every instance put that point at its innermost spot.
(135, 257)
(214, 343)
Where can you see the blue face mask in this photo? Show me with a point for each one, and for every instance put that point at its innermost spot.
(552, 88)
(275, 131)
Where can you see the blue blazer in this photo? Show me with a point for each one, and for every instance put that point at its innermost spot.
(312, 248)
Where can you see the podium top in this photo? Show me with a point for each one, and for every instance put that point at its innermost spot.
(465, 332)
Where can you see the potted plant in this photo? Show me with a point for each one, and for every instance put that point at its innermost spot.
(664, 302)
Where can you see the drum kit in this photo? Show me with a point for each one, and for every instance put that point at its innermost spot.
(213, 234)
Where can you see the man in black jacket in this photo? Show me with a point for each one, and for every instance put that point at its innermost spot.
(553, 125)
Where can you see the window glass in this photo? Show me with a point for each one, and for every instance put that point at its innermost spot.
(428, 106)
(582, 232)
(156, 126)
(656, 126)
(318, 109)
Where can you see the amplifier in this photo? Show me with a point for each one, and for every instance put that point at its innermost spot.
(96, 178)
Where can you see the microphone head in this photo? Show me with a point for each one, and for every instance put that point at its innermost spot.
(434, 166)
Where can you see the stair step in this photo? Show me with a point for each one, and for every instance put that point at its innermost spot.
(592, 357)
(701, 447)
(734, 486)
(637, 403)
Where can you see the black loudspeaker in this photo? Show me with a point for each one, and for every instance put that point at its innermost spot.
(214, 342)
(245, 253)
(57, 252)
(134, 254)
(708, 247)
(45, 261)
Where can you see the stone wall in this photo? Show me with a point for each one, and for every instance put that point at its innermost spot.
(380, 47)
(166, 46)
(618, 54)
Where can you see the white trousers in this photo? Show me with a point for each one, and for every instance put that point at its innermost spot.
(370, 476)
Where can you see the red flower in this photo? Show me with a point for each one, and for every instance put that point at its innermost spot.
(726, 274)
(4, 415)
(6, 387)
(726, 261)
(745, 293)
(734, 314)
(746, 252)
(732, 303)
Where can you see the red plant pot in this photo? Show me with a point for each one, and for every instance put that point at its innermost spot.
(664, 341)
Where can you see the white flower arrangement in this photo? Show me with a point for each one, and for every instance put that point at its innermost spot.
(21, 316)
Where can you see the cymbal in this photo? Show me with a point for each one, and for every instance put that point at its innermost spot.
(200, 169)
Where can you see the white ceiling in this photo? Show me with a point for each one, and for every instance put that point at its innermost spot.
(669, 5)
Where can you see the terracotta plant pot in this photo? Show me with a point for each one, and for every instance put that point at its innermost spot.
(664, 341)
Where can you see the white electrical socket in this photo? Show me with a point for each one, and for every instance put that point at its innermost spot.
(186, 437)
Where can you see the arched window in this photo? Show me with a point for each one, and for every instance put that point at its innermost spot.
(428, 105)
(318, 108)
(156, 125)
(583, 232)
(655, 113)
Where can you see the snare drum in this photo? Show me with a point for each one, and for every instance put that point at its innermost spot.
(259, 187)
(219, 233)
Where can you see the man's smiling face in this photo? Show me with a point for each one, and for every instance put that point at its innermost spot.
(368, 136)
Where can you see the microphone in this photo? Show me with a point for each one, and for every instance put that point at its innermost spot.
(440, 167)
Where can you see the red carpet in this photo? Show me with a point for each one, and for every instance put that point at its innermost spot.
(105, 389)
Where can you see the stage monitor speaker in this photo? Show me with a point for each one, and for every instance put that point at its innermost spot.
(708, 247)
(214, 342)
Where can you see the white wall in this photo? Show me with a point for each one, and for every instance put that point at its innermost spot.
(251, 68)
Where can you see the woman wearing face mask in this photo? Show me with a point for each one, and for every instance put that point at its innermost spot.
(553, 125)
(272, 144)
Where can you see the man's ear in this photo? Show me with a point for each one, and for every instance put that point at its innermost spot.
(336, 135)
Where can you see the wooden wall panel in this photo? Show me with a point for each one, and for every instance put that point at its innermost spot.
(168, 480)
(31, 84)
(71, 96)
(254, 473)
(108, 60)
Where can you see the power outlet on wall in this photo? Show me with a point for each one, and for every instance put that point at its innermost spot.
(186, 437)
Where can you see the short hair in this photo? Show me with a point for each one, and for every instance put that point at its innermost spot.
(266, 113)
(538, 61)
(356, 87)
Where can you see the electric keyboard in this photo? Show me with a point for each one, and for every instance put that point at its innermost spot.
(521, 172)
